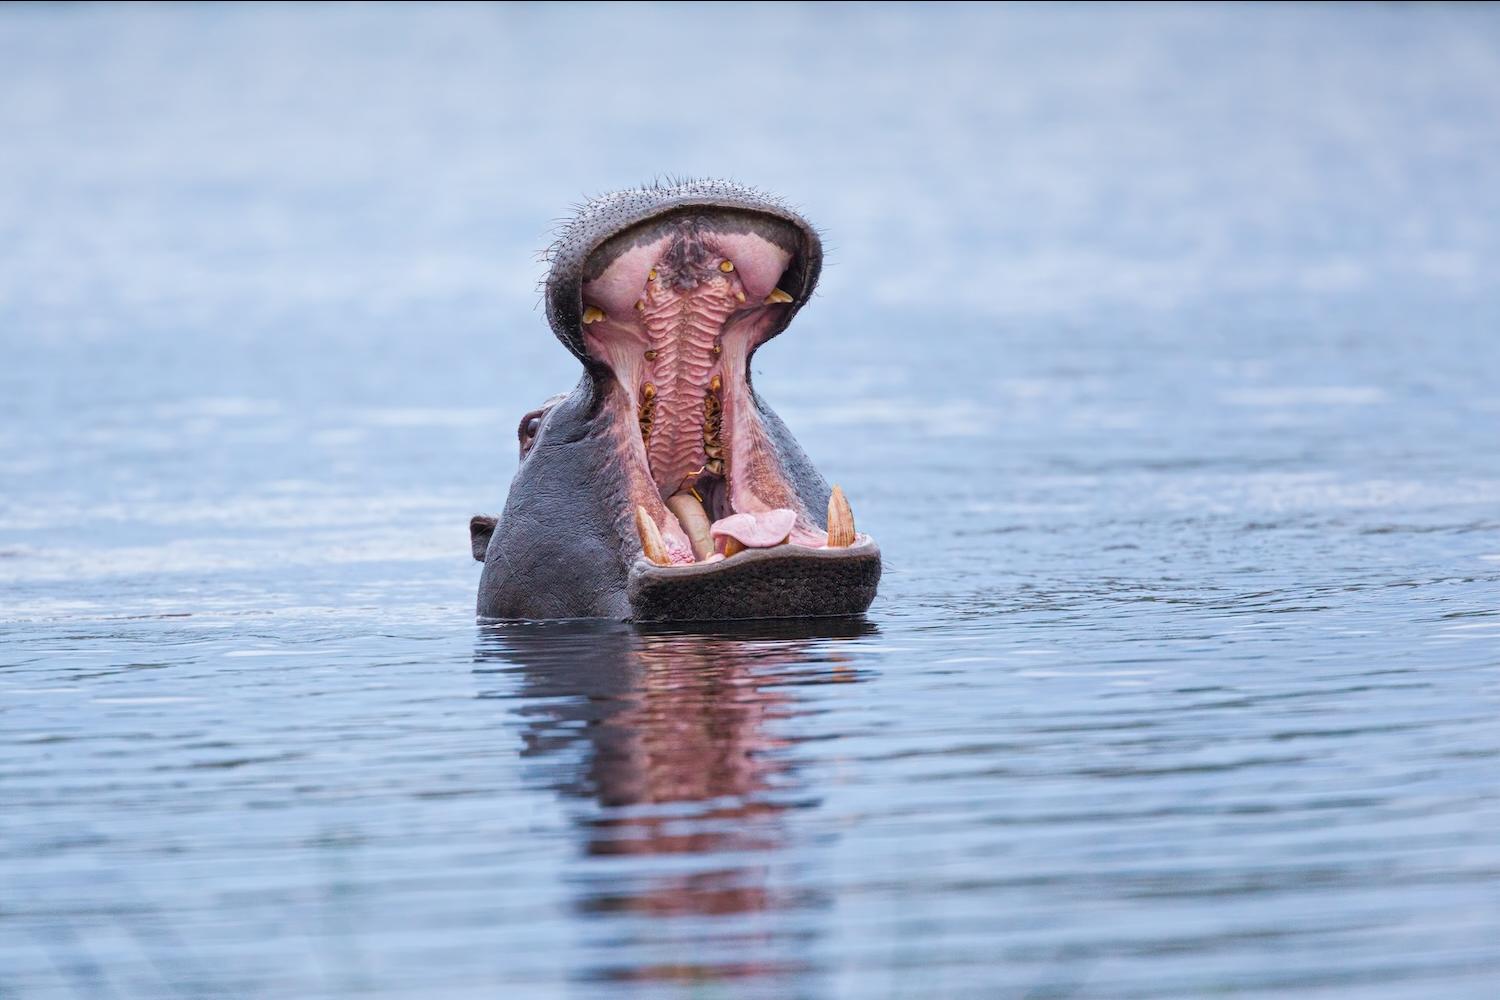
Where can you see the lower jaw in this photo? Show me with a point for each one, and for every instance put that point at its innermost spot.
(786, 581)
(700, 526)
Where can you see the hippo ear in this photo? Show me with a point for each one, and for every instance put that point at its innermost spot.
(481, 527)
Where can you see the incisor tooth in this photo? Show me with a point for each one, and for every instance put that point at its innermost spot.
(652, 547)
(739, 296)
(592, 314)
(694, 521)
(777, 295)
(732, 546)
(726, 266)
(840, 520)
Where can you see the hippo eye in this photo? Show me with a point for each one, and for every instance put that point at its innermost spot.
(530, 426)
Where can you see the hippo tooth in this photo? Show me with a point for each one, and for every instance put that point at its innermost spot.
(694, 521)
(652, 547)
(592, 314)
(777, 295)
(840, 520)
(731, 546)
(739, 296)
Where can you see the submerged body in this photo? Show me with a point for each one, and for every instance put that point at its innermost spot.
(662, 487)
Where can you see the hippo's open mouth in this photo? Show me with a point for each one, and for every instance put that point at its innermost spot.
(665, 294)
(674, 307)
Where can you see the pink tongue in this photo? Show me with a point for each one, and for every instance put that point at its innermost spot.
(756, 531)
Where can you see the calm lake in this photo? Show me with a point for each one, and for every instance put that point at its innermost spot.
(1157, 347)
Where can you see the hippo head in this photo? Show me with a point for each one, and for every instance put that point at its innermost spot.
(662, 487)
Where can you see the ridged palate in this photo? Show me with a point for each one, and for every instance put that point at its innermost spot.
(682, 328)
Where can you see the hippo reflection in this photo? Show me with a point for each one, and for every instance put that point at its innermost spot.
(681, 761)
(662, 487)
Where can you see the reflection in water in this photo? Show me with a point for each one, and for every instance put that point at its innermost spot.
(679, 751)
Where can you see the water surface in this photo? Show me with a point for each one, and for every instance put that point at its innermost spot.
(1157, 348)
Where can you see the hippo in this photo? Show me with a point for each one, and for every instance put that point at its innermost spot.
(663, 488)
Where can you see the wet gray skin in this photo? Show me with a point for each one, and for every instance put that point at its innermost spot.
(567, 544)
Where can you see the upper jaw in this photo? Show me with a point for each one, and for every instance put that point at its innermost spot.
(600, 219)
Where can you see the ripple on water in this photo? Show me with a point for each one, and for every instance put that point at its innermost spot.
(1157, 352)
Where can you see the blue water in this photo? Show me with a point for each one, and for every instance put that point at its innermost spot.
(1158, 348)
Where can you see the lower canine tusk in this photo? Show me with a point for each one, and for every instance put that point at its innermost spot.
(840, 520)
(652, 547)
